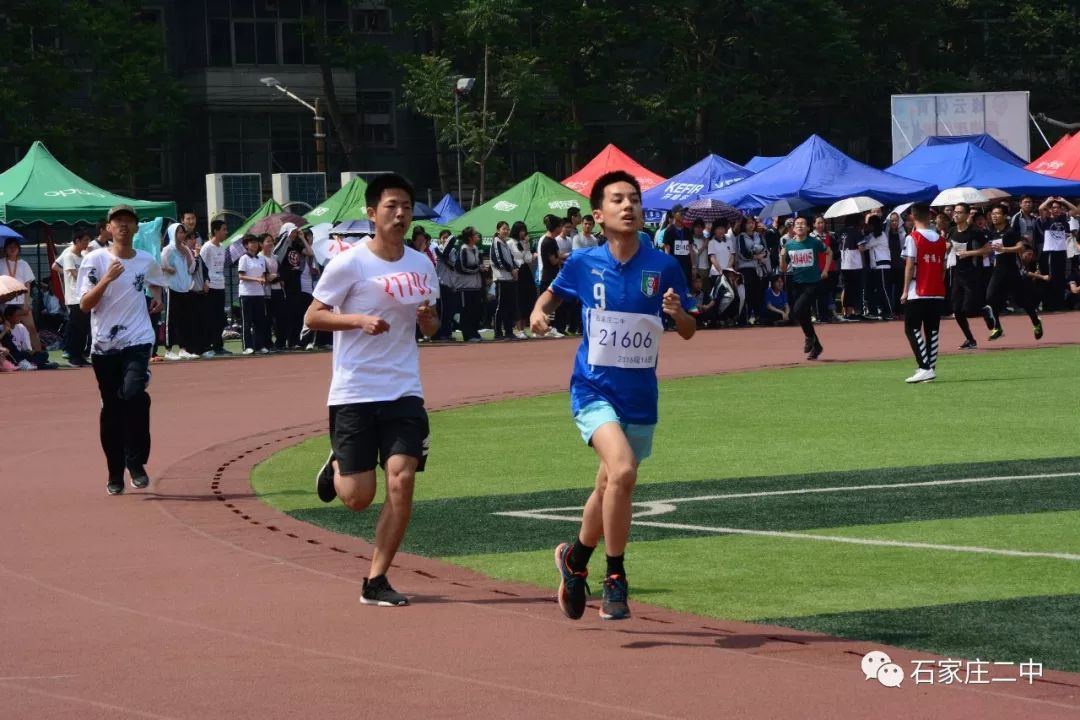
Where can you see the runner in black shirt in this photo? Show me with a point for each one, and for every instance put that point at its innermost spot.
(1006, 280)
(969, 287)
(678, 240)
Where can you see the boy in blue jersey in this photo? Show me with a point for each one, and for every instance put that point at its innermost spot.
(613, 388)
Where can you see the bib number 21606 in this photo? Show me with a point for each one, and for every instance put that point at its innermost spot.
(626, 340)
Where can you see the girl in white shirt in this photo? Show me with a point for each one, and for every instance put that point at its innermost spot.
(20, 270)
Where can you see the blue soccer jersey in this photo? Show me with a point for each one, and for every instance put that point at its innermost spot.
(621, 308)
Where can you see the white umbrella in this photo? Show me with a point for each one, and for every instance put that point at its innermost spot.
(995, 193)
(952, 196)
(901, 209)
(852, 206)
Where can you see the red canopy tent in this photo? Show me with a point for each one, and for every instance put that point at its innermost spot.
(1061, 161)
(608, 159)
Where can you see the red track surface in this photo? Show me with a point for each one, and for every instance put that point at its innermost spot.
(194, 600)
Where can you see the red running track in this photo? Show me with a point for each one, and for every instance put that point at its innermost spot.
(195, 600)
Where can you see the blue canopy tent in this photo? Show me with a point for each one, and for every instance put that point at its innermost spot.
(447, 210)
(710, 173)
(968, 165)
(761, 162)
(982, 140)
(815, 174)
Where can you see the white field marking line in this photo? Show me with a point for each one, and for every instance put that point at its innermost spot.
(661, 507)
(14, 678)
(86, 701)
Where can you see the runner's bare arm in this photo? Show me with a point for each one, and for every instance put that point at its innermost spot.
(545, 305)
(320, 316)
(427, 319)
(909, 275)
(685, 324)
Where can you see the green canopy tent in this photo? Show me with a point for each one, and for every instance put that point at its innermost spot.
(346, 204)
(529, 201)
(40, 189)
(270, 207)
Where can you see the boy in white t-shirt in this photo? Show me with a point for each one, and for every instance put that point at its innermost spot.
(372, 296)
(252, 270)
(111, 287)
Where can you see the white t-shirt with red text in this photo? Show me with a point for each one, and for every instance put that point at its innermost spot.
(375, 368)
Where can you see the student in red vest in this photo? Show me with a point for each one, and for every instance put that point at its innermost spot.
(924, 291)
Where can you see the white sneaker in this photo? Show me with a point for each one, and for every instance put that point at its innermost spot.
(26, 365)
(264, 351)
(520, 335)
(310, 346)
(171, 356)
(921, 376)
(209, 354)
(553, 333)
(249, 351)
(185, 355)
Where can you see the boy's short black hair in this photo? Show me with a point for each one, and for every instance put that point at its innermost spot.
(382, 183)
(82, 231)
(249, 238)
(596, 196)
(11, 310)
(552, 222)
(216, 225)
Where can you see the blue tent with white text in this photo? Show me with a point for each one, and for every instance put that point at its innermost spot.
(817, 174)
(710, 173)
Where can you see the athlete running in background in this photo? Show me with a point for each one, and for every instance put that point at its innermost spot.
(801, 256)
(613, 389)
(1006, 280)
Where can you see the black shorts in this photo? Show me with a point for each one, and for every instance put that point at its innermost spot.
(363, 435)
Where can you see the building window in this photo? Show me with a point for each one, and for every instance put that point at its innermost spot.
(377, 115)
(255, 32)
(372, 21)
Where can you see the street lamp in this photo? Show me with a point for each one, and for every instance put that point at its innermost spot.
(320, 136)
(462, 87)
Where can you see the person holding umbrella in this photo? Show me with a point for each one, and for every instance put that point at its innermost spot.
(19, 269)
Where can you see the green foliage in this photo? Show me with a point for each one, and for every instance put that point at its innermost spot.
(90, 81)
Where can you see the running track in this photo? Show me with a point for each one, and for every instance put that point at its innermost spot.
(194, 600)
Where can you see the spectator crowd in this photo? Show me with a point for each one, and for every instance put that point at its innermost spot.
(731, 264)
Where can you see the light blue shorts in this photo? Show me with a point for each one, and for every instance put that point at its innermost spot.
(598, 412)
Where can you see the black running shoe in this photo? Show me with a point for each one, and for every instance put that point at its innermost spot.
(324, 481)
(139, 478)
(1038, 328)
(377, 591)
(969, 345)
(573, 588)
(988, 317)
(815, 351)
(613, 604)
(115, 486)
(808, 345)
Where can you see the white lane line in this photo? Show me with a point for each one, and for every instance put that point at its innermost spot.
(661, 507)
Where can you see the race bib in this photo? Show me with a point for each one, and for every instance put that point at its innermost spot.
(682, 247)
(408, 288)
(801, 258)
(624, 340)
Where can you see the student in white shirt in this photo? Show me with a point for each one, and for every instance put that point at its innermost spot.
(276, 309)
(19, 269)
(372, 297)
(213, 256)
(111, 286)
(252, 270)
(77, 330)
(178, 264)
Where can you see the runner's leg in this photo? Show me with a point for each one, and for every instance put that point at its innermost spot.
(620, 466)
(394, 517)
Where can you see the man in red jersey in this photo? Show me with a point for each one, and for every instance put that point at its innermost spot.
(924, 292)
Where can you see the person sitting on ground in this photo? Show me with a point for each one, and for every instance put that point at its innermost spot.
(775, 310)
(704, 302)
(15, 338)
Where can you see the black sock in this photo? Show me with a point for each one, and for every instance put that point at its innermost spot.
(579, 556)
(615, 565)
(962, 321)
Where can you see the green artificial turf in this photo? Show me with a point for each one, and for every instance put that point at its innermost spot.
(984, 407)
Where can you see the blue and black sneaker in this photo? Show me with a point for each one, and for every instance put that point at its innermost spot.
(613, 599)
(573, 588)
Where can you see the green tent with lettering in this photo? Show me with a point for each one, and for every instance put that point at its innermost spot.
(39, 188)
(270, 207)
(346, 204)
(529, 201)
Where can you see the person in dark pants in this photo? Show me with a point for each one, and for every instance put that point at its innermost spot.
(1006, 280)
(276, 306)
(505, 275)
(77, 330)
(468, 267)
(969, 285)
(213, 257)
(1052, 260)
(924, 291)
(801, 256)
(292, 270)
(111, 287)
(252, 271)
(446, 253)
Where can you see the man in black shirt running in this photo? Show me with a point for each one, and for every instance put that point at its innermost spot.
(969, 287)
(1006, 280)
